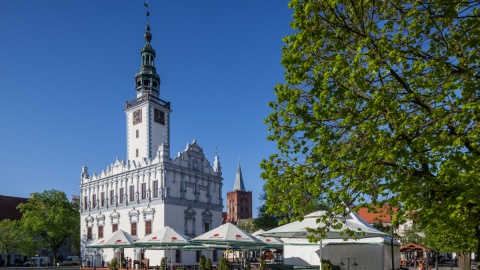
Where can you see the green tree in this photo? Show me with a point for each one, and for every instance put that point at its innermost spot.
(9, 241)
(247, 225)
(265, 220)
(380, 105)
(51, 218)
(412, 235)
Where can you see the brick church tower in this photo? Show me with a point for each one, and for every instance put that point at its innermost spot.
(239, 201)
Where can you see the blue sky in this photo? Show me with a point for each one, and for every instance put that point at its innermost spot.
(67, 68)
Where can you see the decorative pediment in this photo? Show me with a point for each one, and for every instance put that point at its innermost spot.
(190, 213)
(89, 221)
(100, 216)
(133, 213)
(207, 213)
(148, 213)
(194, 148)
(114, 214)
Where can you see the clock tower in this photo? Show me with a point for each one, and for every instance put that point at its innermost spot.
(148, 116)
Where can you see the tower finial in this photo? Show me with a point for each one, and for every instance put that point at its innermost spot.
(148, 13)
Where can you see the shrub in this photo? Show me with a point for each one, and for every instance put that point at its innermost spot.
(208, 265)
(202, 262)
(327, 265)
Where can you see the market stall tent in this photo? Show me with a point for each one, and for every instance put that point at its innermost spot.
(366, 253)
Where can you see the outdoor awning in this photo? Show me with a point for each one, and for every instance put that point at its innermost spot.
(411, 247)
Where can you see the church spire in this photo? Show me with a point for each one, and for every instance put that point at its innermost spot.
(147, 81)
(239, 180)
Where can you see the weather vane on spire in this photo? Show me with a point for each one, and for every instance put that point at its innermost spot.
(148, 13)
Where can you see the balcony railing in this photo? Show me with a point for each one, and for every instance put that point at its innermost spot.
(148, 97)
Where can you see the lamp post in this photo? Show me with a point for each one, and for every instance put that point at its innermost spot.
(391, 239)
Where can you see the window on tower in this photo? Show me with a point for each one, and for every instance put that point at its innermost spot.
(136, 152)
(114, 227)
(136, 133)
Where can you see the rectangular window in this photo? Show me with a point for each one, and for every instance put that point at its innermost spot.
(148, 227)
(112, 197)
(215, 256)
(178, 256)
(132, 193)
(136, 152)
(137, 133)
(121, 194)
(100, 231)
(89, 233)
(133, 230)
(207, 227)
(94, 201)
(144, 191)
(155, 189)
(197, 255)
(114, 227)
(102, 199)
(85, 203)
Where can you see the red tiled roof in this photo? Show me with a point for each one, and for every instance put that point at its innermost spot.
(411, 246)
(9, 207)
(380, 217)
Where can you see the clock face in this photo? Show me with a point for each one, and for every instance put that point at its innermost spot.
(137, 116)
(159, 116)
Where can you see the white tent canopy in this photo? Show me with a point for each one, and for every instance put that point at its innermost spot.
(165, 237)
(271, 242)
(120, 239)
(368, 253)
(298, 229)
(230, 235)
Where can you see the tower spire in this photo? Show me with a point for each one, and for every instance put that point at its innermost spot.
(147, 13)
(147, 81)
(239, 180)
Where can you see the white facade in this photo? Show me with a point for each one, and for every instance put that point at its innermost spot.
(150, 190)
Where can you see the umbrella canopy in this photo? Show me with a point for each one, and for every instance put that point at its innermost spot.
(230, 235)
(298, 229)
(208, 247)
(271, 242)
(165, 237)
(119, 239)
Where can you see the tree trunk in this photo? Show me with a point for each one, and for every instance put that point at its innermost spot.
(464, 262)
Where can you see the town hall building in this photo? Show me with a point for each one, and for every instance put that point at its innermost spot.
(150, 189)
